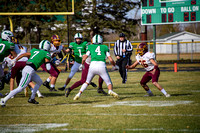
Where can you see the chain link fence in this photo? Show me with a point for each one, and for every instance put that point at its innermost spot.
(177, 50)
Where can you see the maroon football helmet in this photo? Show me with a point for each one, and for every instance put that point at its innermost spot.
(55, 40)
(141, 49)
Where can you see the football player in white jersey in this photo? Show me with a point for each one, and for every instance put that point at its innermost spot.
(56, 48)
(147, 60)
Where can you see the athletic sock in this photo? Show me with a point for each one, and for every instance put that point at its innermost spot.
(83, 87)
(48, 80)
(163, 91)
(52, 86)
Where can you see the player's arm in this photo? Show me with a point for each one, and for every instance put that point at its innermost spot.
(12, 83)
(14, 54)
(23, 55)
(48, 65)
(133, 65)
(84, 57)
(110, 59)
(154, 63)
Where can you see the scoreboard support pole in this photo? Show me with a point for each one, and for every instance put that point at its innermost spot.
(154, 39)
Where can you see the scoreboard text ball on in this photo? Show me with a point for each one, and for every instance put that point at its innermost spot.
(170, 11)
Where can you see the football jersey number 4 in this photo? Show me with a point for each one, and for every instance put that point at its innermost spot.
(98, 50)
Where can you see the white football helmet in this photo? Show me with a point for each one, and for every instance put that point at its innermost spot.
(97, 39)
(45, 45)
(78, 35)
(7, 35)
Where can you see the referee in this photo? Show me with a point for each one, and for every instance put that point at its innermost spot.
(123, 50)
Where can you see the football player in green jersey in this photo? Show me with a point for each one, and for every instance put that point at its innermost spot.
(6, 47)
(36, 58)
(98, 54)
(79, 49)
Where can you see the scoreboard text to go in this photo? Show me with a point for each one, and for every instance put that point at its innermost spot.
(169, 12)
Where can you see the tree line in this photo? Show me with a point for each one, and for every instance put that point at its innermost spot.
(91, 17)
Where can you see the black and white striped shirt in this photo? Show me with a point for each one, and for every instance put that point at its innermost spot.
(119, 46)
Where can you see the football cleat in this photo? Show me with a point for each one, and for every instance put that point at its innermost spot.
(1, 95)
(61, 89)
(67, 92)
(100, 90)
(32, 101)
(167, 95)
(52, 89)
(77, 96)
(112, 93)
(46, 84)
(93, 84)
(150, 94)
(2, 102)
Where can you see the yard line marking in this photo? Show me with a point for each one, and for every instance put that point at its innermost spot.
(145, 103)
(85, 129)
(195, 90)
(98, 114)
(122, 103)
(30, 127)
(134, 129)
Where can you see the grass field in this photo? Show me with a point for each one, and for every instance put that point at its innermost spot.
(95, 112)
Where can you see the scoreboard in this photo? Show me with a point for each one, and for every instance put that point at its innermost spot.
(156, 12)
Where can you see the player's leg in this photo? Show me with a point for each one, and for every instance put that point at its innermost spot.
(145, 79)
(155, 78)
(26, 78)
(90, 76)
(38, 82)
(100, 88)
(46, 83)
(80, 82)
(1, 77)
(54, 75)
(31, 86)
(105, 76)
(74, 69)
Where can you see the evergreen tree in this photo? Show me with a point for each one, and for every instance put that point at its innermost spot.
(100, 15)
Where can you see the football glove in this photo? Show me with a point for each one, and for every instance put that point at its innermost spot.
(115, 67)
(57, 62)
(81, 67)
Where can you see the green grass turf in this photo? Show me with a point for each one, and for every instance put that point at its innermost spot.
(131, 113)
